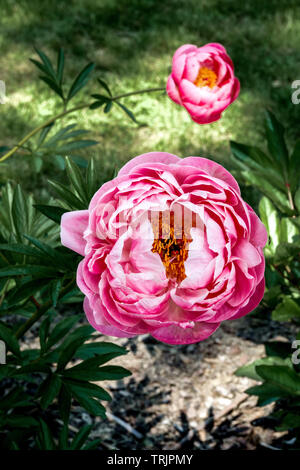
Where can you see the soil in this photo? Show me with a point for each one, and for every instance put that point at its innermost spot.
(187, 397)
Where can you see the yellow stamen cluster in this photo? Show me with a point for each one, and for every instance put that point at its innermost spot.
(172, 251)
(206, 77)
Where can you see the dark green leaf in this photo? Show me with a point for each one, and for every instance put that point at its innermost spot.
(81, 437)
(104, 85)
(81, 80)
(276, 142)
(49, 390)
(60, 66)
(61, 329)
(52, 212)
(7, 335)
(128, 112)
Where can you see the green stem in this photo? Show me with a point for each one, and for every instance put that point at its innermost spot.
(69, 111)
(40, 312)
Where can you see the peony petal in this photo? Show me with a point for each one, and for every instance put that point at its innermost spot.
(174, 334)
(73, 225)
(148, 158)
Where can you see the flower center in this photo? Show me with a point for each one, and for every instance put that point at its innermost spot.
(206, 77)
(172, 251)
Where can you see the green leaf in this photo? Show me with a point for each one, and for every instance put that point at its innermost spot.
(90, 404)
(294, 168)
(250, 155)
(290, 421)
(60, 66)
(53, 85)
(49, 390)
(76, 179)
(276, 143)
(281, 376)
(249, 370)
(81, 80)
(279, 198)
(94, 374)
(92, 363)
(7, 335)
(43, 332)
(52, 212)
(64, 403)
(61, 329)
(288, 230)
(55, 286)
(46, 440)
(96, 348)
(25, 290)
(108, 107)
(287, 310)
(81, 437)
(104, 85)
(74, 202)
(35, 366)
(297, 200)
(21, 421)
(128, 112)
(20, 213)
(87, 388)
(67, 352)
(270, 219)
(46, 64)
(34, 270)
(267, 393)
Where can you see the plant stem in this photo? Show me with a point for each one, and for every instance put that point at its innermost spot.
(69, 111)
(40, 312)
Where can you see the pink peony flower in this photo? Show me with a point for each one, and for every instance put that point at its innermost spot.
(203, 81)
(170, 248)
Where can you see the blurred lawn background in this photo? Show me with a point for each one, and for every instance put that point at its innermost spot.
(132, 43)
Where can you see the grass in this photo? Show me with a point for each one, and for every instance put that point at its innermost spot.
(132, 43)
